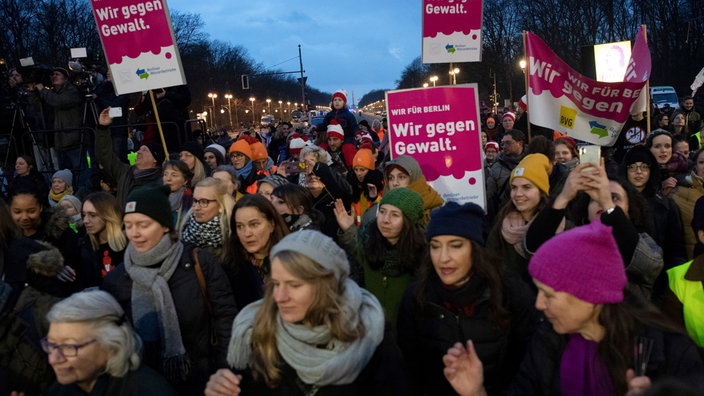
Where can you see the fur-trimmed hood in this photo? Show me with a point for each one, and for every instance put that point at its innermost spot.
(48, 261)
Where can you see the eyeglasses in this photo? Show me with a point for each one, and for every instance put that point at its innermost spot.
(506, 143)
(66, 350)
(203, 203)
(237, 154)
(635, 168)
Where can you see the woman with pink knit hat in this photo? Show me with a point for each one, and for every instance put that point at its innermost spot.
(598, 338)
(341, 113)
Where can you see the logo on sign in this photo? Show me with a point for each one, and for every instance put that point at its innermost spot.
(567, 116)
(143, 75)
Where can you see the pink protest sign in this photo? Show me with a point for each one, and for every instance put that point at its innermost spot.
(439, 127)
(139, 44)
(559, 98)
(452, 31)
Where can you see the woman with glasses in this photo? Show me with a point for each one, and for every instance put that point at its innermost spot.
(177, 299)
(641, 171)
(93, 350)
(240, 154)
(207, 223)
(257, 228)
(178, 177)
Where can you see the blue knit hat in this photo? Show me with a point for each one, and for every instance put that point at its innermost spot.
(454, 219)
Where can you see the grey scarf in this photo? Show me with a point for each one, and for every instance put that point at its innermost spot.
(338, 363)
(153, 311)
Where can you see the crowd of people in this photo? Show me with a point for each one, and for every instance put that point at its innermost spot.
(308, 262)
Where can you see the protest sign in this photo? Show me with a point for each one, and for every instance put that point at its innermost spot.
(139, 44)
(452, 31)
(440, 128)
(559, 98)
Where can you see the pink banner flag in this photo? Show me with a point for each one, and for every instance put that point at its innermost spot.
(575, 105)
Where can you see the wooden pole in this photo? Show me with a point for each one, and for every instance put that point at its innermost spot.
(526, 75)
(158, 124)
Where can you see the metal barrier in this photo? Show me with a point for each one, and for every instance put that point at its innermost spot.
(41, 145)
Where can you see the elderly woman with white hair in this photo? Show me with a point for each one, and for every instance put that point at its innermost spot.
(93, 350)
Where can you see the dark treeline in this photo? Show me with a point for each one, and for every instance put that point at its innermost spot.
(47, 29)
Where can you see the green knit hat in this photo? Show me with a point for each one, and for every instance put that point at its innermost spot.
(409, 201)
(153, 201)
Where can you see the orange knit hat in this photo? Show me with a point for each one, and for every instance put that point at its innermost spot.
(258, 151)
(364, 158)
(241, 146)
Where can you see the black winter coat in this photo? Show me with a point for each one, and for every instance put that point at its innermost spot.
(673, 355)
(425, 332)
(193, 316)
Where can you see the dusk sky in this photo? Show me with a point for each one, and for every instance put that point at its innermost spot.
(357, 46)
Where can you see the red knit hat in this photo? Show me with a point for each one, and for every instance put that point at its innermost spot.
(335, 130)
(508, 114)
(340, 93)
(523, 103)
(493, 144)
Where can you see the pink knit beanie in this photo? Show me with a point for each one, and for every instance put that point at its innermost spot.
(584, 262)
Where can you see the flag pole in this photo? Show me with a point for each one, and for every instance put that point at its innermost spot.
(526, 74)
(647, 88)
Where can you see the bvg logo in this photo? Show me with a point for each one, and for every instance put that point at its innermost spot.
(567, 116)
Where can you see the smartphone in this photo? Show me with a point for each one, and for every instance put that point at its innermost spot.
(115, 112)
(590, 153)
(294, 167)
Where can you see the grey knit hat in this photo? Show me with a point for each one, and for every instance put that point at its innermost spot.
(75, 202)
(65, 175)
(318, 247)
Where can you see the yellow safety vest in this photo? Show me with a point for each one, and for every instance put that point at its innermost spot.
(691, 295)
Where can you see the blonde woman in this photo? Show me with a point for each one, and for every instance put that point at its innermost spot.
(207, 223)
(104, 244)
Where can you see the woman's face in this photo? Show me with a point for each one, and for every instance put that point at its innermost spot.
(210, 159)
(173, 178)
(293, 296)
(638, 175)
(265, 190)
(22, 168)
(525, 196)
(254, 231)
(57, 185)
(205, 213)
(679, 120)
(491, 124)
(398, 178)
(26, 212)
(618, 195)
(562, 153)
(238, 160)
(90, 360)
(662, 148)
(484, 138)
(490, 153)
(360, 172)
(188, 158)
(699, 166)
(227, 180)
(389, 220)
(94, 224)
(142, 231)
(452, 258)
(566, 313)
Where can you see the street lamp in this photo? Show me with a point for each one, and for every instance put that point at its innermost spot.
(425, 85)
(522, 65)
(281, 110)
(252, 99)
(229, 110)
(433, 79)
(453, 73)
(212, 97)
(268, 102)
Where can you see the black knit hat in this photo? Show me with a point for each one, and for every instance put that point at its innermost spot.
(153, 201)
(157, 152)
(639, 154)
(194, 148)
(459, 220)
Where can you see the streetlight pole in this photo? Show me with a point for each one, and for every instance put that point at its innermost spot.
(433, 79)
(212, 97)
(268, 102)
(252, 99)
(281, 109)
(229, 110)
(289, 110)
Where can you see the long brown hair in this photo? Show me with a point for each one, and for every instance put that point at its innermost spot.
(326, 310)
(235, 251)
